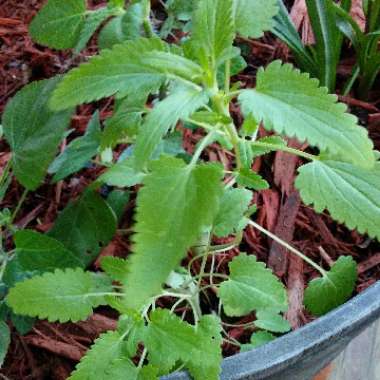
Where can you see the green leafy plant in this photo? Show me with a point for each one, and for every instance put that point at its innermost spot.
(72, 26)
(330, 23)
(365, 45)
(183, 202)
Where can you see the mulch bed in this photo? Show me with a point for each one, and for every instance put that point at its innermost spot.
(50, 351)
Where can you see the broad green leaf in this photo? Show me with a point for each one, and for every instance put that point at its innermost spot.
(349, 193)
(33, 131)
(61, 296)
(122, 28)
(172, 145)
(252, 180)
(251, 287)
(292, 104)
(5, 340)
(127, 68)
(274, 322)
(326, 293)
(118, 201)
(122, 174)
(38, 252)
(258, 339)
(58, 26)
(79, 152)
(180, 104)
(254, 17)
(213, 30)
(22, 324)
(103, 359)
(169, 339)
(85, 226)
(115, 267)
(93, 20)
(188, 201)
(125, 121)
(233, 205)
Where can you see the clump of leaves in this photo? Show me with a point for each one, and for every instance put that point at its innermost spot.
(183, 202)
(330, 23)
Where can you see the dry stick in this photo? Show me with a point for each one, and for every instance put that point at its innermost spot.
(289, 247)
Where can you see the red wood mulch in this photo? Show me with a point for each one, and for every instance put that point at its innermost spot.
(50, 351)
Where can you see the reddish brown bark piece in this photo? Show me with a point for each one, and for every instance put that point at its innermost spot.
(317, 222)
(65, 350)
(370, 263)
(270, 208)
(284, 167)
(278, 255)
(296, 286)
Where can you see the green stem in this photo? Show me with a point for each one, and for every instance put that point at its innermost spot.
(203, 145)
(289, 247)
(142, 358)
(4, 175)
(19, 205)
(351, 81)
(287, 149)
(3, 266)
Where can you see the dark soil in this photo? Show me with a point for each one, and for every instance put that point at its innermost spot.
(50, 351)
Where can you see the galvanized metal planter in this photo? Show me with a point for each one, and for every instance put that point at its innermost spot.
(302, 354)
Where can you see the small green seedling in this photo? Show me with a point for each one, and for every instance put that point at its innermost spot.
(183, 202)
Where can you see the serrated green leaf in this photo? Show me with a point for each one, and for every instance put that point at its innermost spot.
(79, 152)
(33, 131)
(61, 296)
(326, 293)
(252, 180)
(165, 115)
(85, 226)
(115, 267)
(92, 22)
(292, 104)
(122, 28)
(38, 252)
(274, 322)
(258, 339)
(213, 31)
(58, 26)
(251, 287)
(5, 340)
(254, 17)
(189, 199)
(169, 339)
(233, 205)
(245, 154)
(127, 68)
(105, 361)
(122, 174)
(349, 193)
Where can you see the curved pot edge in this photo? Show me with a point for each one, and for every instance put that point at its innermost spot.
(331, 332)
